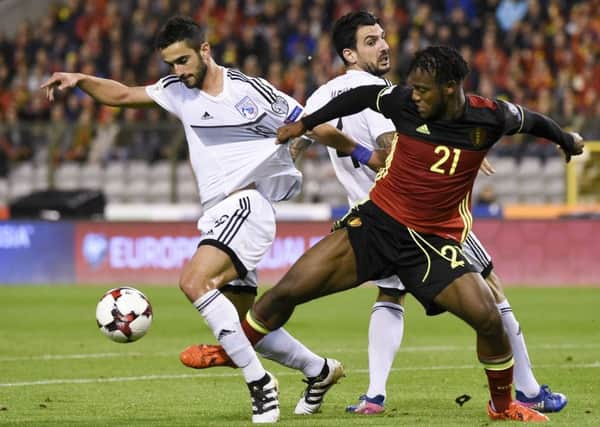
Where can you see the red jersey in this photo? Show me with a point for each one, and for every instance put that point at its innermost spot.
(427, 182)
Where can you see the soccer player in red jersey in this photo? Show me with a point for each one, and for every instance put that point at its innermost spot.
(419, 210)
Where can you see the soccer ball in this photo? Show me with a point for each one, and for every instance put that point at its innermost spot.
(124, 314)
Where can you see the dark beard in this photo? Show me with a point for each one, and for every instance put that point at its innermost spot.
(199, 76)
(372, 69)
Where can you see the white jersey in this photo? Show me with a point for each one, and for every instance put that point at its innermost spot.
(363, 127)
(231, 136)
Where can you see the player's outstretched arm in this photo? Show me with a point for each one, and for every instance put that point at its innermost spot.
(105, 91)
(350, 102)
(332, 137)
(542, 126)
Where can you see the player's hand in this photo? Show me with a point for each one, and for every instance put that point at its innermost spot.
(60, 81)
(578, 143)
(577, 148)
(290, 130)
(487, 168)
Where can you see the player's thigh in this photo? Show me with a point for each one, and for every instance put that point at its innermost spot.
(469, 298)
(495, 285)
(326, 268)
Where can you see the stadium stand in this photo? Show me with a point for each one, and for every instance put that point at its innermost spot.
(547, 59)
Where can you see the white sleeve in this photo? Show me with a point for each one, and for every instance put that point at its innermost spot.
(166, 93)
(378, 123)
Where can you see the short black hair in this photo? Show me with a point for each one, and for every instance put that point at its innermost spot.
(179, 28)
(443, 62)
(344, 29)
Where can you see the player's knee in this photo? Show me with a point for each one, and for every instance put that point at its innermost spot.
(196, 285)
(489, 323)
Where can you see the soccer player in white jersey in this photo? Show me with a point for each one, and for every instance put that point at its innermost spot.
(230, 123)
(359, 40)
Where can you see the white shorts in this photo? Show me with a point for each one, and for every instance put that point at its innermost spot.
(473, 251)
(243, 226)
(477, 255)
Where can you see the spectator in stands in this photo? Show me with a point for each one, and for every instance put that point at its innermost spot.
(83, 132)
(590, 128)
(486, 204)
(106, 134)
(510, 12)
(555, 45)
(15, 145)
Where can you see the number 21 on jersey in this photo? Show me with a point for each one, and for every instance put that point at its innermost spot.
(447, 162)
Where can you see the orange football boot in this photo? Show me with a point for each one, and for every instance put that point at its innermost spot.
(517, 412)
(202, 356)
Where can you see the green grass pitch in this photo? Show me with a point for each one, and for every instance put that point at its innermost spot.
(56, 368)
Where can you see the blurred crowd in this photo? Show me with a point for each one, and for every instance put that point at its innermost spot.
(541, 53)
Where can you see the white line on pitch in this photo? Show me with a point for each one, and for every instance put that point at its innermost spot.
(403, 349)
(235, 374)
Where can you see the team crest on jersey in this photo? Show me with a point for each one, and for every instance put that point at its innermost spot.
(247, 108)
(280, 106)
(478, 136)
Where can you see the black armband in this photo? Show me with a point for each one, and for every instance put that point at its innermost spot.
(350, 102)
(544, 127)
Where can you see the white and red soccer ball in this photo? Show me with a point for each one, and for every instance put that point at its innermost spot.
(124, 314)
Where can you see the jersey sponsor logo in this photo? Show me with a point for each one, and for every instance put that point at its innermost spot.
(247, 108)
(280, 106)
(293, 115)
(423, 129)
(206, 116)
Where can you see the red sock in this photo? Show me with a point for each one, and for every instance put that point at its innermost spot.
(253, 335)
(500, 383)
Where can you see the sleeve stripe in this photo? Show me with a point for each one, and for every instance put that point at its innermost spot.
(264, 90)
(522, 118)
(166, 81)
(170, 82)
(379, 97)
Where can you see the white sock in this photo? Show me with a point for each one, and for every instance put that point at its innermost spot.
(523, 375)
(222, 318)
(283, 348)
(386, 329)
